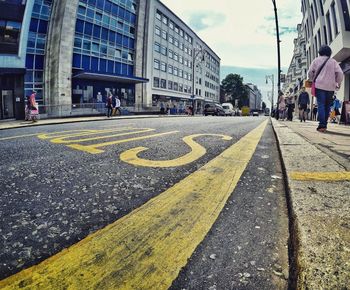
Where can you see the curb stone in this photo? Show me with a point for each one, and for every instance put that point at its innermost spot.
(319, 213)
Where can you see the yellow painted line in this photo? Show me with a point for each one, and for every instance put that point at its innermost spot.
(147, 248)
(197, 151)
(17, 137)
(92, 149)
(321, 176)
(78, 133)
(62, 140)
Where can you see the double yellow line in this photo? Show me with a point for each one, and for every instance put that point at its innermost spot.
(147, 248)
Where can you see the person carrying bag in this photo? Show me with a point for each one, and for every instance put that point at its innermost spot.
(327, 77)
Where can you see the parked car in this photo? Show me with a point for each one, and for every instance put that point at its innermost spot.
(228, 108)
(255, 113)
(214, 110)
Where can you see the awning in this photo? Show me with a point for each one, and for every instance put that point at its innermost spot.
(110, 78)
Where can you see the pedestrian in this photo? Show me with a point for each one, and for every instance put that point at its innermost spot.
(33, 107)
(336, 108)
(290, 107)
(27, 109)
(162, 108)
(281, 106)
(303, 104)
(116, 107)
(327, 76)
(314, 113)
(109, 105)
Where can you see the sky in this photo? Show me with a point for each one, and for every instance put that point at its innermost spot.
(243, 34)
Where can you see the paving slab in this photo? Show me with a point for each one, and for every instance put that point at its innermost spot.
(319, 210)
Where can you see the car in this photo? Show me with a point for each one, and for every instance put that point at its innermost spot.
(255, 114)
(228, 108)
(214, 110)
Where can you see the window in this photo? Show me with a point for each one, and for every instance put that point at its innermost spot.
(176, 57)
(181, 60)
(181, 88)
(176, 71)
(164, 34)
(171, 39)
(171, 54)
(165, 20)
(163, 66)
(156, 64)
(335, 22)
(345, 10)
(9, 36)
(170, 85)
(118, 53)
(156, 82)
(176, 86)
(329, 27)
(176, 29)
(176, 42)
(157, 30)
(181, 73)
(157, 47)
(163, 50)
(163, 83)
(170, 69)
(158, 15)
(171, 25)
(181, 33)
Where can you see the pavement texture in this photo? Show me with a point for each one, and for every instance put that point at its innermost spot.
(318, 183)
(12, 124)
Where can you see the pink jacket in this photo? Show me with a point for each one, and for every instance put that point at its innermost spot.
(331, 75)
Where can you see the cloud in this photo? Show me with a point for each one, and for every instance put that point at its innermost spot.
(203, 20)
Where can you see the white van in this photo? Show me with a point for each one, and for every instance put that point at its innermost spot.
(228, 108)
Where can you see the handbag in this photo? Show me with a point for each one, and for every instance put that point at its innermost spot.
(313, 86)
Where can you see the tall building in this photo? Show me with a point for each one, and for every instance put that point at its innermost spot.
(327, 22)
(72, 53)
(255, 97)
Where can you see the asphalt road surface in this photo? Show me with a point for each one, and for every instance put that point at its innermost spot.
(62, 184)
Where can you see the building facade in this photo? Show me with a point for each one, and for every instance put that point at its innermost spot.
(73, 52)
(180, 66)
(255, 97)
(325, 22)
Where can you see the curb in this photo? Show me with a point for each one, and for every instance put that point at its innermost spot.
(319, 215)
(91, 119)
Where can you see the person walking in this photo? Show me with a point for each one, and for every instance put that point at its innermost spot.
(303, 104)
(290, 107)
(117, 106)
(109, 103)
(33, 107)
(336, 108)
(327, 77)
(281, 106)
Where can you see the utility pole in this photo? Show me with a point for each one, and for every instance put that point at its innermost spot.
(278, 48)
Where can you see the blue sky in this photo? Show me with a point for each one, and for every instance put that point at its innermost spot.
(242, 33)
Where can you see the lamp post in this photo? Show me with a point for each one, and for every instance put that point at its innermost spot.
(195, 55)
(278, 48)
(272, 79)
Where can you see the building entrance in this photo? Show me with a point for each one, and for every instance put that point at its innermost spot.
(7, 104)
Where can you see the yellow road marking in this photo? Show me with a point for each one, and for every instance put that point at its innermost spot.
(18, 136)
(93, 148)
(321, 176)
(147, 248)
(62, 140)
(197, 151)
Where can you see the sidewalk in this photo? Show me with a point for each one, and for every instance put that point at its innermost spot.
(11, 124)
(318, 183)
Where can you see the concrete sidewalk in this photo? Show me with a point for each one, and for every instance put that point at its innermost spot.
(318, 182)
(11, 124)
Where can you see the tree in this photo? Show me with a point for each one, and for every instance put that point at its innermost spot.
(233, 85)
(263, 105)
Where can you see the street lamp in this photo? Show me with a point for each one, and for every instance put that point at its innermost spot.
(272, 79)
(195, 54)
(278, 48)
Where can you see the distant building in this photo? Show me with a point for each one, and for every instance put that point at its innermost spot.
(255, 97)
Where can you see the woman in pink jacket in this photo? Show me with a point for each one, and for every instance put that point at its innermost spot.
(328, 76)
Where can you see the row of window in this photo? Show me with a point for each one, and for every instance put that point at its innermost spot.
(165, 20)
(108, 21)
(211, 86)
(112, 7)
(162, 83)
(172, 55)
(101, 65)
(160, 65)
(163, 34)
(85, 46)
(10, 32)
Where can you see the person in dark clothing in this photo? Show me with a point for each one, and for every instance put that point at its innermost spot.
(314, 113)
(303, 103)
(109, 105)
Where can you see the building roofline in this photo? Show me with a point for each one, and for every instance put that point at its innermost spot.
(183, 22)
